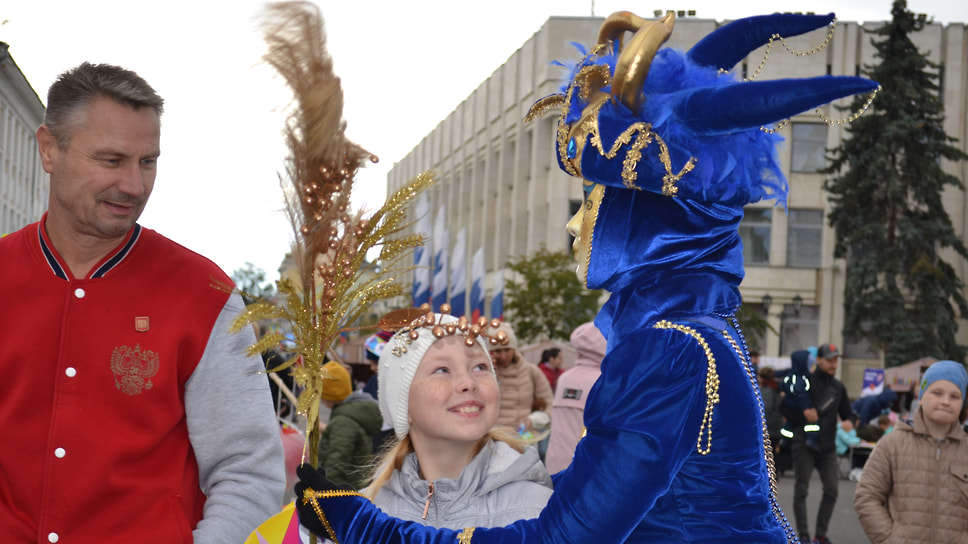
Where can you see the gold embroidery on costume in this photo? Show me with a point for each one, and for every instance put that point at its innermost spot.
(465, 536)
(571, 139)
(312, 497)
(712, 383)
(133, 368)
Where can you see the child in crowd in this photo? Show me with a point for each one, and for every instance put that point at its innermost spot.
(796, 386)
(913, 485)
(450, 468)
(846, 436)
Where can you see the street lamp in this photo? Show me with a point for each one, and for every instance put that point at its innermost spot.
(767, 301)
(797, 303)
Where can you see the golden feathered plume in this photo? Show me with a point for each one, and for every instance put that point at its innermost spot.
(337, 283)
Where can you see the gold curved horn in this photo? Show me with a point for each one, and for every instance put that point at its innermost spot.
(617, 24)
(635, 60)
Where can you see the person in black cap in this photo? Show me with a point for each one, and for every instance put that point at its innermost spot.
(829, 401)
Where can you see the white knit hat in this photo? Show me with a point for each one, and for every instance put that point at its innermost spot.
(398, 364)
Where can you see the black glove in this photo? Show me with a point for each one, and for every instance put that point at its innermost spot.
(314, 480)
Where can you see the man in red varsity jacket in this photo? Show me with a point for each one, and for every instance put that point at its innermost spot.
(130, 413)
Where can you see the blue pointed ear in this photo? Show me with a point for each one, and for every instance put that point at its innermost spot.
(751, 104)
(732, 42)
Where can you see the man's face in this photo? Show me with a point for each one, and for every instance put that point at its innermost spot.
(582, 225)
(502, 357)
(828, 365)
(100, 183)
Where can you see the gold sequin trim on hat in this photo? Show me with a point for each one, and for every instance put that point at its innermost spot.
(589, 81)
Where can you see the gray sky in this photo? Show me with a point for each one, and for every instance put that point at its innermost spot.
(405, 65)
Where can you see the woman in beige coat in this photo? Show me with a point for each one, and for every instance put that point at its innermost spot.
(914, 487)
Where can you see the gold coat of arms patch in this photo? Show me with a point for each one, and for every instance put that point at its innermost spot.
(133, 368)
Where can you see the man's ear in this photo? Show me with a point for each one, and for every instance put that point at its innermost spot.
(47, 145)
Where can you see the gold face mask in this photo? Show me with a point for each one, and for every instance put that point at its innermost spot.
(582, 225)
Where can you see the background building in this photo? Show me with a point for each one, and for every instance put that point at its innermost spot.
(23, 182)
(499, 178)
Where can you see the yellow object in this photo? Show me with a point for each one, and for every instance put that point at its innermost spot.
(282, 528)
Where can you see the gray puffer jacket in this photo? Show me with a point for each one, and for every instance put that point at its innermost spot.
(498, 487)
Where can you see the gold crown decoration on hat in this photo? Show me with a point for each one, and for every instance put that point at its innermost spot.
(337, 284)
(408, 321)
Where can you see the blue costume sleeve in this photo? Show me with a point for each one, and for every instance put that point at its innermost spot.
(643, 431)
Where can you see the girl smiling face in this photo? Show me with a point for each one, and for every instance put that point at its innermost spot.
(454, 395)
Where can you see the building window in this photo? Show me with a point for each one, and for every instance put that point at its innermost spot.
(754, 229)
(804, 235)
(799, 329)
(808, 146)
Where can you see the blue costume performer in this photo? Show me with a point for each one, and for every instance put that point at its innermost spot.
(670, 147)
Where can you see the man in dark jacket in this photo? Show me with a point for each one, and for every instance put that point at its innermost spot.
(829, 401)
(346, 446)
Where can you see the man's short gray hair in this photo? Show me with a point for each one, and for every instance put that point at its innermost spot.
(76, 88)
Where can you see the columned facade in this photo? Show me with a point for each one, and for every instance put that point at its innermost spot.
(23, 182)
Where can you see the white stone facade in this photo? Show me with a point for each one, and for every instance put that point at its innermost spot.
(23, 182)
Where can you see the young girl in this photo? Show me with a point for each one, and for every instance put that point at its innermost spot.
(438, 391)
(915, 484)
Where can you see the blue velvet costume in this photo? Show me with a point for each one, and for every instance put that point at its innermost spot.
(676, 448)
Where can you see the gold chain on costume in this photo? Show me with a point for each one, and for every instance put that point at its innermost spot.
(769, 46)
(819, 111)
(767, 444)
(312, 497)
(465, 536)
(712, 383)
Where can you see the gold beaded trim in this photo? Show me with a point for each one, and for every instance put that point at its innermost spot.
(766, 55)
(769, 46)
(311, 496)
(409, 333)
(712, 384)
(823, 116)
(854, 116)
(767, 444)
(464, 537)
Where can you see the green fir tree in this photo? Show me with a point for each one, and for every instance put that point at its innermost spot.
(887, 211)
